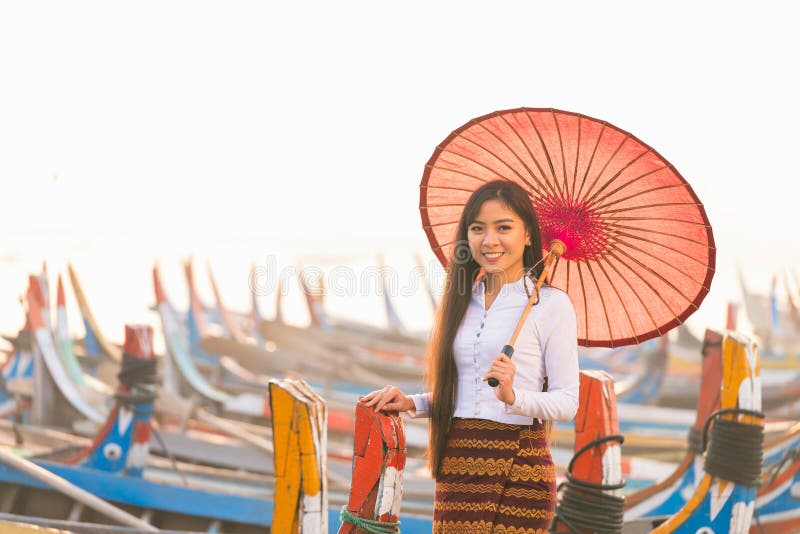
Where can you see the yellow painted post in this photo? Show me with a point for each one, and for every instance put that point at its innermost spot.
(287, 460)
(299, 419)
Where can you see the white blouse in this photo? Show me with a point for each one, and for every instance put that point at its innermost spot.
(546, 347)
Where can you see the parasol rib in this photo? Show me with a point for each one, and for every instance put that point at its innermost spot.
(496, 173)
(650, 206)
(497, 157)
(632, 289)
(435, 225)
(433, 167)
(552, 186)
(440, 247)
(667, 282)
(622, 301)
(696, 223)
(647, 230)
(527, 168)
(566, 284)
(466, 190)
(429, 206)
(602, 301)
(547, 155)
(605, 166)
(648, 284)
(616, 176)
(591, 160)
(653, 242)
(563, 159)
(577, 158)
(585, 302)
(632, 181)
(640, 193)
(636, 293)
(546, 183)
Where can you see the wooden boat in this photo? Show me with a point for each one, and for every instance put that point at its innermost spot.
(666, 497)
(95, 343)
(196, 326)
(426, 282)
(361, 364)
(722, 498)
(591, 499)
(87, 383)
(648, 429)
(183, 375)
(332, 374)
(112, 468)
(644, 386)
(780, 386)
(778, 499)
(759, 312)
(215, 453)
(18, 366)
(781, 393)
(52, 380)
(232, 327)
(348, 333)
(185, 378)
(393, 322)
(57, 400)
(669, 495)
(70, 444)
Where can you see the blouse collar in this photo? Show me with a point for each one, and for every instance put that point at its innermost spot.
(513, 288)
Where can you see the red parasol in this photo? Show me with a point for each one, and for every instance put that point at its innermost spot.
(639, 252)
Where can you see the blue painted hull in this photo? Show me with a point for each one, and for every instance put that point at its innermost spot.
(172, 499)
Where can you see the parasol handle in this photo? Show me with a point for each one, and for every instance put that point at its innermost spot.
(557, 248)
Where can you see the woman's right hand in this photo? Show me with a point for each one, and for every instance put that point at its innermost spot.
(388, 399)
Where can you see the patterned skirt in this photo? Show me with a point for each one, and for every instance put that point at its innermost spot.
(495, 478)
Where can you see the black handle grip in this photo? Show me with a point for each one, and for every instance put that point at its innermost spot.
(508, 350)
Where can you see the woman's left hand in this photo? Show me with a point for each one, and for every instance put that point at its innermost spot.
(502, 369)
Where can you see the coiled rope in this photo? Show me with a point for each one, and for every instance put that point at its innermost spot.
(583, 505)
(371, 526)
(139, 375)
(736, 450)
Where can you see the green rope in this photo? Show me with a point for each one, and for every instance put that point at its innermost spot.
(371, 526)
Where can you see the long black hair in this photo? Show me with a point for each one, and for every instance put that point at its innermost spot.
(462, 271)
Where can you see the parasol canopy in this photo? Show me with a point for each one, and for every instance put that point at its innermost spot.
(640, 252)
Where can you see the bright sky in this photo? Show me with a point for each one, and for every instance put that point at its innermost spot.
(303, 128)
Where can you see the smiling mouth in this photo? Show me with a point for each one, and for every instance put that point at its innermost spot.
(492, 255)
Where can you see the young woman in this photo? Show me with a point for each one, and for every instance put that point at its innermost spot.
(488, 446)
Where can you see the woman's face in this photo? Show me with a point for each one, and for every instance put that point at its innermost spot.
(497, 240)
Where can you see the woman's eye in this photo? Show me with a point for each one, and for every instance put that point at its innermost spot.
(475, 229)
(505, 227)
